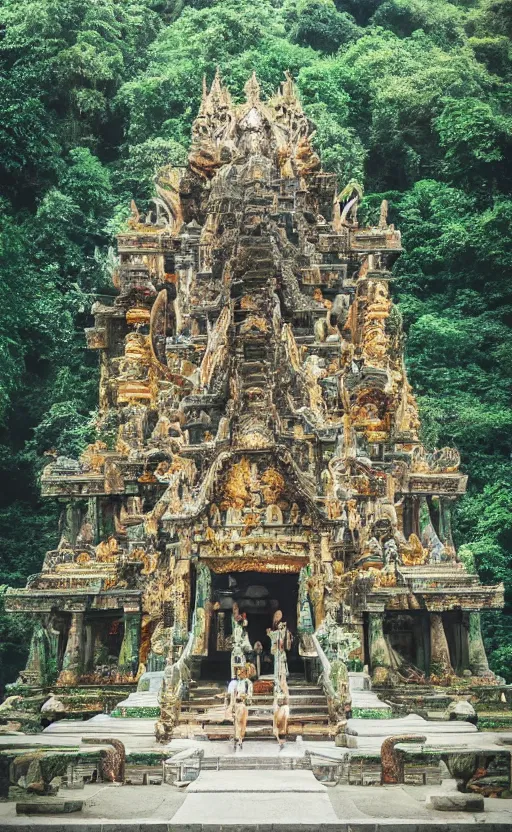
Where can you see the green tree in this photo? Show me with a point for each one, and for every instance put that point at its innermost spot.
(321, 26)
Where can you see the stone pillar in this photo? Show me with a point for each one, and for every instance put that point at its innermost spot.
(73, 655)
(440, 663)
(445, 524)
(129, 653)
(411, 515)
(93, 515)
(181, 601)
(202, 610)
(478, 663)
(415, 515)
(317, 594)
(379, 653)
(53, 634)
(359, 651)
(420, 630)
(36, 671)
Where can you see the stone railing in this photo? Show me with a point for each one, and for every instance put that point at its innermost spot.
(336, 696)
(174, 685)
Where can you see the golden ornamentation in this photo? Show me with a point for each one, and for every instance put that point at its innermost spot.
(272, 485)
(236, 492)
(94, 456)
(107, 550)
(137, 316)
(412, 553)
(150, 560)
(255, 564)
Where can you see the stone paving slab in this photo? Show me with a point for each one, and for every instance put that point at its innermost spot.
(241, 807)
(248, 781)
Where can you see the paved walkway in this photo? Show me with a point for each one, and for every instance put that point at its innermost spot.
(245, 799)
(266, 797)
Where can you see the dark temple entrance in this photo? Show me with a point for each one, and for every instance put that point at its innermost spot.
(258, 595)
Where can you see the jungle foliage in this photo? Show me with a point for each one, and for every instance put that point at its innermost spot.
(412, 97)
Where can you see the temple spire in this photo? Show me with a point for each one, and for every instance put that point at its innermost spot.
(252, 90)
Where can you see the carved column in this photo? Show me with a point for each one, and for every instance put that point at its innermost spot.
(73, 656)
(478, 663)
(440, 663)
(93, 515)
(36, 671)
(379, 653)
(415, 515)
(445, 524)
(53, 634)
(358, 652)
(202, 610)
(129, 653)
(411, 515)
(181, 601)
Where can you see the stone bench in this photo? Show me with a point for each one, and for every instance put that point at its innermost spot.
(455, 802)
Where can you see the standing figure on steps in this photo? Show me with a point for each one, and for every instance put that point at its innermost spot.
(240, 641)
(281, 714)
(281, 641)
(241, 696)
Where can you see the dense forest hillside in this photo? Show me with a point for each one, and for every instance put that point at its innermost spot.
(413, 98)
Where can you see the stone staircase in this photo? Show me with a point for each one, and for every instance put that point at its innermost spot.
(308, 712)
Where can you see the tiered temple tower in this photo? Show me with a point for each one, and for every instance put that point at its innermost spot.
(258, 440)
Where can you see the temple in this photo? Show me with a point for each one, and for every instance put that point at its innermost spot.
(258, 496)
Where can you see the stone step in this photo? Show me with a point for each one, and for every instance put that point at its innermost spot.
(294, 688)
(241, 762)
(303, 699)
(255, 719)
(260, 709)
(256, 710)
(313, 733)
(202, 693)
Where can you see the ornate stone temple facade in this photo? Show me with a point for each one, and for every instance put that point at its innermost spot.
(258, 467)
